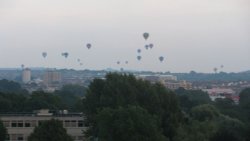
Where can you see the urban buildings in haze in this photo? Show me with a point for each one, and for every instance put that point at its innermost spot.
(26, 75)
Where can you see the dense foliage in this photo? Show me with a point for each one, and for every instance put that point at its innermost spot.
(3, 132)
(124, 94)
(11, 87)
(121, 107)
(51, 130)
(69, 97)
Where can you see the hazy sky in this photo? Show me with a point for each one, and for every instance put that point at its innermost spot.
(192, 34)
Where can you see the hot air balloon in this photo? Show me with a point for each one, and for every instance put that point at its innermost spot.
(65, 54)
(121, 69)
(22, 66)
(78, 60)
(145, 35)
(44, 54)
(161, 58)
(151, 46)
(146, 46)
(126, 62)
(80, 64)
(222, 66)
(139, 58)
(118, 62)
(215, 70)
(139, 50)
(88, 45)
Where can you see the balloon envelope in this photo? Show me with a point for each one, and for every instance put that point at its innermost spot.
(161, 58)
(88, 45)
(146, 46)
(151, 45)
(44, 54)
(65, 54)
(139, 58)
(145, 35)
(139, 50)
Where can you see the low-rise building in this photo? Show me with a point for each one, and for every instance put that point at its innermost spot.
(215, 93)
(20, 126)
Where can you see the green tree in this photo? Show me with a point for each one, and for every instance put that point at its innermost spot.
(7, 86)
(191, 98)
(228, 107)
(3, 132)
(71, 95)
(204, 112)
(245, 98)
(41, 100)
(130, 123)
(121, 90)
(51, 130)
(229, 129)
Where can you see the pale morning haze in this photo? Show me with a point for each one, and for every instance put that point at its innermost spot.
(191, 34)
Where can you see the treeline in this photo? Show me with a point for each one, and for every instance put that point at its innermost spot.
(221, 76)
(14, 99)
(121, 107)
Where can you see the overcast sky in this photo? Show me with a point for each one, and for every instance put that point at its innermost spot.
(191, 34)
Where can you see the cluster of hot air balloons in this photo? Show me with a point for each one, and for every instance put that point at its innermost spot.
(66, 54)
(147, 46)
(215, 69)
(138, 57)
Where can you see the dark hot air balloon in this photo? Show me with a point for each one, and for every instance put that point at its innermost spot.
(88, 45)
(151, 46)
(139, 50)
(65, 54)
(44, 54)
(145, 35)
(138, 58)
(161, 58)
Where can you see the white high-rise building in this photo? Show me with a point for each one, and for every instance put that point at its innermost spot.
(26, 75)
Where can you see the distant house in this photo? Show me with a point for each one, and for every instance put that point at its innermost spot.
(215, 93)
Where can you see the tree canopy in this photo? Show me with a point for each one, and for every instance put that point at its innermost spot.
(51, 130)
(122, 90)
(3, 132)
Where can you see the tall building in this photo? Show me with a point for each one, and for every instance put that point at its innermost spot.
(26, 75)
(52, 78)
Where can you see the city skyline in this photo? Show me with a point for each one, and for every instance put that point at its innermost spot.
(194, 35)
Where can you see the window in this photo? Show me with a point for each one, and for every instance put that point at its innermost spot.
(14, 124)
(27, 124)
(16, 137)
(20, 124)
(20, 138)
(80, 123)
